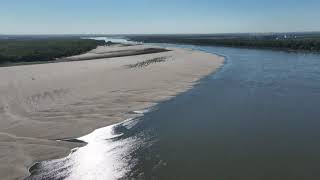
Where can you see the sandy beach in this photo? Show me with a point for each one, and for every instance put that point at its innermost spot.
(43, 102)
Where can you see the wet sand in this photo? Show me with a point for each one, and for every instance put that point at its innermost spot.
(43, 102)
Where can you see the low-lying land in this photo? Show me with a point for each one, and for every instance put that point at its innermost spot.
(43, 102)
(112, 54)
(17, 51)
(291, 42)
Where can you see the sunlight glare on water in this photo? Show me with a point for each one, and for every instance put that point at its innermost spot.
(102, 158)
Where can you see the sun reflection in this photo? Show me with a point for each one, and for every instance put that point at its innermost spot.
(102, 158)
(107, 155)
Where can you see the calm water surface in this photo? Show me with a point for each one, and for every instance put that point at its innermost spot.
(258, 118)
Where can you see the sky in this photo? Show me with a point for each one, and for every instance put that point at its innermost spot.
(157, 16)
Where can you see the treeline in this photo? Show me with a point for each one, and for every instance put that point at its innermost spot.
(283, 44)
(39, 50)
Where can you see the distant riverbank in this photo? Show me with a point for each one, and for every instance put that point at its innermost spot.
(284, 42)
(32, 51)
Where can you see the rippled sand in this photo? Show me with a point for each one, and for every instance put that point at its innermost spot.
(44, 102)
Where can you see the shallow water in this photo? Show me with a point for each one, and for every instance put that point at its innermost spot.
(257, 118)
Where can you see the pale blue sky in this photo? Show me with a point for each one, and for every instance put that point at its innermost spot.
(157, 16)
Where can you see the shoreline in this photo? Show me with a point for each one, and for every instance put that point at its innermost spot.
(92, 57)
(301, 45)
(83, 141)
(72, 99)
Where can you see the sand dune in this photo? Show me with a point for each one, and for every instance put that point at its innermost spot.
(43, 102)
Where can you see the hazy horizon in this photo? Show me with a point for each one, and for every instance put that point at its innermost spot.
(157, 17)
(105, 34)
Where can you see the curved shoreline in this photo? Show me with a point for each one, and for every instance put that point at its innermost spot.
(70, 99)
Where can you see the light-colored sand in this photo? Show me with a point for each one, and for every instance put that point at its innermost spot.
(40, 103)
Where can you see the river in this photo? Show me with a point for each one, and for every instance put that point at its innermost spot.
(258, 117)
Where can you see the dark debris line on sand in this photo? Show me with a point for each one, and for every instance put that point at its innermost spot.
(148, 62)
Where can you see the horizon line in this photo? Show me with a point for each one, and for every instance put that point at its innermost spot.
(123, 34)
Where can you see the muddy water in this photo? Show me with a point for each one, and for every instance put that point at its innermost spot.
(257, 118)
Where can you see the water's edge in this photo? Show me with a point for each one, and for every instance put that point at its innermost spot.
(82, 140)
